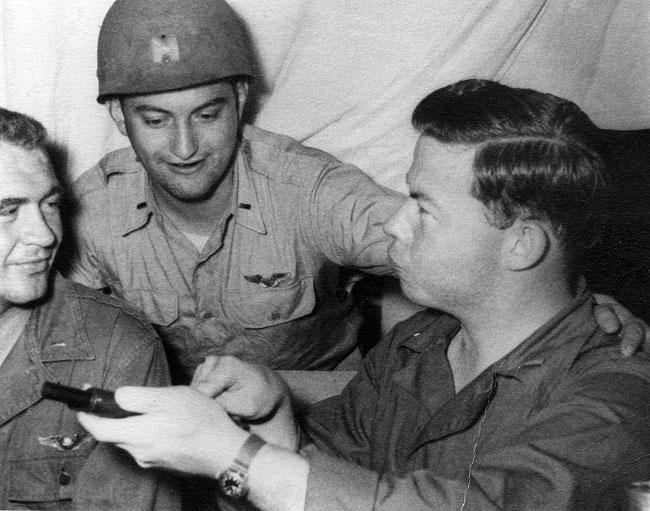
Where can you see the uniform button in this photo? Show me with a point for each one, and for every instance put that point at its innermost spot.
(64, 477)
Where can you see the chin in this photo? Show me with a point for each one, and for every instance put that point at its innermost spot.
(413, 293)
(29, 293)
(194, 194)
(423, 297)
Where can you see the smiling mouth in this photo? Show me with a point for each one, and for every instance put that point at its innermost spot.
(186, 166)
(35, 266)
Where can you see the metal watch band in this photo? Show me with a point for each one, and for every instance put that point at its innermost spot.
(247, 451)
(234, 480)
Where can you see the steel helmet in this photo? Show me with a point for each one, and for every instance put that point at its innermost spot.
(148, 46)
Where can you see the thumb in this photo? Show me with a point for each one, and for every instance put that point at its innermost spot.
(214, 376)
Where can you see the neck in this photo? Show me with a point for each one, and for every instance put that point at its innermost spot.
(199, 216)
(498, 324)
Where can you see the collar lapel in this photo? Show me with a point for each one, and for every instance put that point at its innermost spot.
(57, 333)
(54, 333)
(460, 412)
(139, 211)
(248, 213)
(20, 381)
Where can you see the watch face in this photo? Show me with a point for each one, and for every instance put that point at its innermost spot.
(232, 483)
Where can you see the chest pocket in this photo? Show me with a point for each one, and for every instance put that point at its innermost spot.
(256, 306)
(49, 482)
(161, 308)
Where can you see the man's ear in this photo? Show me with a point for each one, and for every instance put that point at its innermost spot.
(526, 245)
(115, 110)
(241, 94)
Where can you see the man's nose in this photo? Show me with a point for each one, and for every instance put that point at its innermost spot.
(37, 230)
(185, 142)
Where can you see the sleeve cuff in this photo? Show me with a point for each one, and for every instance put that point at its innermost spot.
(335, 484)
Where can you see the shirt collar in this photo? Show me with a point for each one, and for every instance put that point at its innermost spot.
(248, 211)
(121, 161)
(138, 202)
(55, 331)
(552, 341)
(140, 208)
(575, 319)
(552, 348)
(427, 329)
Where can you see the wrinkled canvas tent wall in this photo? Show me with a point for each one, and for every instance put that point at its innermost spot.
(344, 75)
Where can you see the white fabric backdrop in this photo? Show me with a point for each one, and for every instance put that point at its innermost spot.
(345, 75)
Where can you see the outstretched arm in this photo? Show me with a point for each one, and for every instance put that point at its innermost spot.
(184, 430)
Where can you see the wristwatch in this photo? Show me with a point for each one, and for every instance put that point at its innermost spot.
(233, 481)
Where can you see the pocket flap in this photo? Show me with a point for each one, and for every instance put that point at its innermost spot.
(262, 307)
(44, 480)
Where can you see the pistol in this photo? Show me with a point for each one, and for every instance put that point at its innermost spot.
(93, 400)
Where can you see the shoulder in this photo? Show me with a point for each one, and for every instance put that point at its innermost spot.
(286, 160)
(101, 312)
(104, 196)
(601, 374)
(602, 354)
(117, 165)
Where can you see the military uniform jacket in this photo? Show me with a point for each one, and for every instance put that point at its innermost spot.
(47, 460)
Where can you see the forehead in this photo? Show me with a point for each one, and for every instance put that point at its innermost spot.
(24, 172)
(438, 166)
(186, 99)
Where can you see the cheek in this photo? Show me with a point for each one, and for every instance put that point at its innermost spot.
(422, 258)
(220, 140)
(8, 240)
(478, 253)
(5, 250)
(147, 142)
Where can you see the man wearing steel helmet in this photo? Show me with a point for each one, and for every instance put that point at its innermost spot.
(230, 238)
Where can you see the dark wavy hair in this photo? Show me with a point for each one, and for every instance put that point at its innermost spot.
(21, 130)
(536, 156)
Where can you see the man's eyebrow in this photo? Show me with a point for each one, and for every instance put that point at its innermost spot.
(221, 100)
(141, 109)
(149, 108)
(9, 202)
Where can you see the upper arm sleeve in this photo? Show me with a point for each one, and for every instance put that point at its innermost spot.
(342, 425)
(348, 211)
